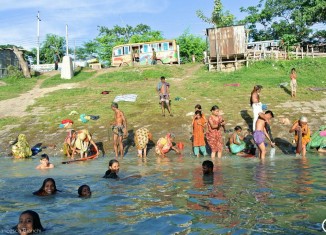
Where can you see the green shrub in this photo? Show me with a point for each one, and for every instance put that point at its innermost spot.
(14, 72)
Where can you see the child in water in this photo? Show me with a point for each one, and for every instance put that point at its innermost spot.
(48, 188)
(45, 163)
(113, 170)
(29, 223)
(84, 191)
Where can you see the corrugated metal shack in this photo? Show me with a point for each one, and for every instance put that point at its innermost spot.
(227, 48)
(7, 57)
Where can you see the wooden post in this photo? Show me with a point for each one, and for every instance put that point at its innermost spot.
(307, 51)
(236, 62)
(301, 52)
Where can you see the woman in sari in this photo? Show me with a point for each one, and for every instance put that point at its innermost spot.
(21, 149)
(214, 133)
(164, 145)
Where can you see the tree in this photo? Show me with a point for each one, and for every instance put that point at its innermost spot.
(88, 49)
(51, 44)
(22, 62)
(219, 18)
(280, 17)
(191, 45)
(108, 38)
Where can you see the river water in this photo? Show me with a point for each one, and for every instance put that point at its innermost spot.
(281, 195)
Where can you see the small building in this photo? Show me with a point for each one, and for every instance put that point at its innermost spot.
(7, 57)
(226, 47)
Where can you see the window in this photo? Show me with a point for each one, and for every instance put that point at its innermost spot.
(118, 51)
(165, 46)
(126, 50)
(145, 49)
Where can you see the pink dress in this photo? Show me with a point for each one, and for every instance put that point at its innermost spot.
(214, 136)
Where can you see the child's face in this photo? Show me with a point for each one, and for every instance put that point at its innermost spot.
(44, 161)
(215, 112)
(74, 135)
(239, 131)
(207, 170)
(86, 192)
(25, 224)
(197, 116)
(115, 167)
(49, 187)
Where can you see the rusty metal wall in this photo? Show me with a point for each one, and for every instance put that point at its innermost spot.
(229, 41)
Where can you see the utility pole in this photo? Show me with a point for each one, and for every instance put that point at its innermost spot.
(38, 38)
(67, 45)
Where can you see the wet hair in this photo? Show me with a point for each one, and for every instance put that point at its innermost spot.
(80, 189)
(198, 112)
(209, 164)
(37, 226)
(114, 104)
(270, 112)
(44, 156)
(237, 128)
(214, 108)
(41, 190)
(198, 106)
(113, 161)
(162, 78)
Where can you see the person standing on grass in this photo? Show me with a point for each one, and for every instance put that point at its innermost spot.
(163, 89)
(256, 104)
(260, 132)
(154, 58)
(56, 60)
(293, 77)
(214, 133)
(119, 129)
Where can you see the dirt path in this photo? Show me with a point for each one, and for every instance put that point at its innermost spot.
(18, 105)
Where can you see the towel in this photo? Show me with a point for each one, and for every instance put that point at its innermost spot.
(128, 97)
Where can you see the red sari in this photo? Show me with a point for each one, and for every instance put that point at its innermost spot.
(214, 135)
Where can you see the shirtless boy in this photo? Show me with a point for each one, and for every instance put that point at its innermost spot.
(260, 132)
(119, 129)
(163, 89)
(45, 163)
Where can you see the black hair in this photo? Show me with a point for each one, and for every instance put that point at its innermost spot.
(208, 163)
(114, 104)
(37, 226)
(237, 128)
(113, 161)
(292, 70)
(269, 112)
(198, 112)
(80, 189)
(44, 156)
(214, 108)
(198, 106)
(162, 77)
(41, 190)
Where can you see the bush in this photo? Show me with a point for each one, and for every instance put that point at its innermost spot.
(14, 72)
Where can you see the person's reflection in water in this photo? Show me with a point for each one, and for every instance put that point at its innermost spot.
(208, 172)
(304, 179)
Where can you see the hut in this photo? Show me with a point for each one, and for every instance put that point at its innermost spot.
(7, 57)
(226, 48)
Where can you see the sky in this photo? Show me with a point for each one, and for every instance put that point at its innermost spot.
(18, 19)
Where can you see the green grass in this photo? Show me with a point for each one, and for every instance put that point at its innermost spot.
(196, 86)
(79, 77)
(15, 87)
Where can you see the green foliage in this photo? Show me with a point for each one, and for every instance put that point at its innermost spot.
(108, 38)
(280, 17)
(219, 18)
(289, 40)
(191, 45)
(14, 72)
(87, 50)
(52, 43)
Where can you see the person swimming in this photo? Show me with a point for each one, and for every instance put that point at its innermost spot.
(29, 223)
(84, 191)
(113, 170)
(48, 188)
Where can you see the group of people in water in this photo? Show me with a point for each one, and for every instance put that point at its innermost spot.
(205, 132)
